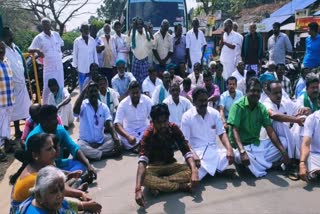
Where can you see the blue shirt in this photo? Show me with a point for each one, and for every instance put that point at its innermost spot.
(121, 85)
(312, 57)
(179, 51)
(65, 142)
(226, 101)
(92, 123)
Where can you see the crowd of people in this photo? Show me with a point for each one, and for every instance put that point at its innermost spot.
(150, 94)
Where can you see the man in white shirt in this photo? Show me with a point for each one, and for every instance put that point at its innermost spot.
(162, 91)
(121, 42)
(132, 117)
(238, 47)
(200, 126)
(196, 45)
(140, 40)
(177, 105)
(16, 63)
(151, 82)
(240, 72)
(163, 47)
(229, 45)
(47, 44)
(84, 54)
(310, 149)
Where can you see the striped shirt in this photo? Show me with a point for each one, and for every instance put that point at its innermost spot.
(6, 85)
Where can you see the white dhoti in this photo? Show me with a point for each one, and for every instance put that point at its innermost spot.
(228, 68)
(212, 160)
(96, 153)
(286, 137)
(258, 163)
(138, 133)
(5, 118)
(22, 102)
(297, 138)
(194, 57)
(313, 162)
(58, 75)
(66, 114)
(272, 153)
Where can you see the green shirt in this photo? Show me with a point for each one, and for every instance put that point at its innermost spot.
(249, 121)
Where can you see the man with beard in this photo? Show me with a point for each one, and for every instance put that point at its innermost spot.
(95, 120)
(246, 117)
(157, 167)
(132, 117)
(200, 125)
(84, 54)
(161, 92)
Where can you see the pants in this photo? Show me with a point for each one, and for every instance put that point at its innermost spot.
(96, 153)
(166, 178)
(140, 69)
(66, 114)
(51, 75)
(5, 117)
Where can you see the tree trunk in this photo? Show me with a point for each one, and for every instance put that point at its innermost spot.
(61, 29)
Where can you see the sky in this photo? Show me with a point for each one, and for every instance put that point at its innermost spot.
(92, 7)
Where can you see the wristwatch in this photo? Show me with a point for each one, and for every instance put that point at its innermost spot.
(242, 151)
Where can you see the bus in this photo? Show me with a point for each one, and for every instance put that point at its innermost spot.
(154, 11)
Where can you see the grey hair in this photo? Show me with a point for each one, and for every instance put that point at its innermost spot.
(228, 21)
(46, 177)
(45, 19)
(212, 63)
(235, 24)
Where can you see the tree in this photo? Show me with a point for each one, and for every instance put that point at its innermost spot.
(59, 11)
(111, 9)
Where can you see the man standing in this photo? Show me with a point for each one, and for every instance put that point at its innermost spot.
(121, 42)
(246, 117)
(163, 47)
(311, 58)
(162, 91)
(47, 44)
(201, 125)
(84, 54)
(177, 104)
(238, 47)
(252, 49)
(132, 117)
(140, 39)
(310, 149)
(6, 100)
(228, 98)
(229, 44)
(16, 63)
(163, 173)
(179, 49)
(278, 45)
(95, 118)
(196, 44)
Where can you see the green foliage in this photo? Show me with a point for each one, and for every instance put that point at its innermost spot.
(68, 39)
(96, 22)
(23, 38)
(111, 9)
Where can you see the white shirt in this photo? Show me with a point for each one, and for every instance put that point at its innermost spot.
(162, 45)
(194, 83)
(114, 99)
(84, 54)
(16, 64)
(156, 93)
(311, 129)
(195, 45)
(148, 86)
(50, 46)
(228, 55)
(287, 106)
(238, 76)
(134, 118)
(142, 45)
(201, 131)
(122, 46)
(238, 47)
(176, 111)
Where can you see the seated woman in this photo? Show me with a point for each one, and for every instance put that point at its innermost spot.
(40, 152)
(48, 195)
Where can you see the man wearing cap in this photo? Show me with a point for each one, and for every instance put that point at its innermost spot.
(121, 80)
(47, 44)
(163, 47)
(84, 54)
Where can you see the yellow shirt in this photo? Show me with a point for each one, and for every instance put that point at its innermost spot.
(22, 186)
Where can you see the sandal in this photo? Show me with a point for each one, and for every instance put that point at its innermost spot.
(293, 174)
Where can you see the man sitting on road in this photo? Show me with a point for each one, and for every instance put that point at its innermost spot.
(246, 117)
(108, 95)
(151, 82)
(200, 125)
(310, 149)
(161, 92)
(95, 118)
(177, 104)
(157, 167)
(132, 117)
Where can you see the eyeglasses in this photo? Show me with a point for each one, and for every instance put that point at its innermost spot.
(96, 118)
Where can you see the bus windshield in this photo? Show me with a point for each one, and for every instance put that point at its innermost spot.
(154, 11)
